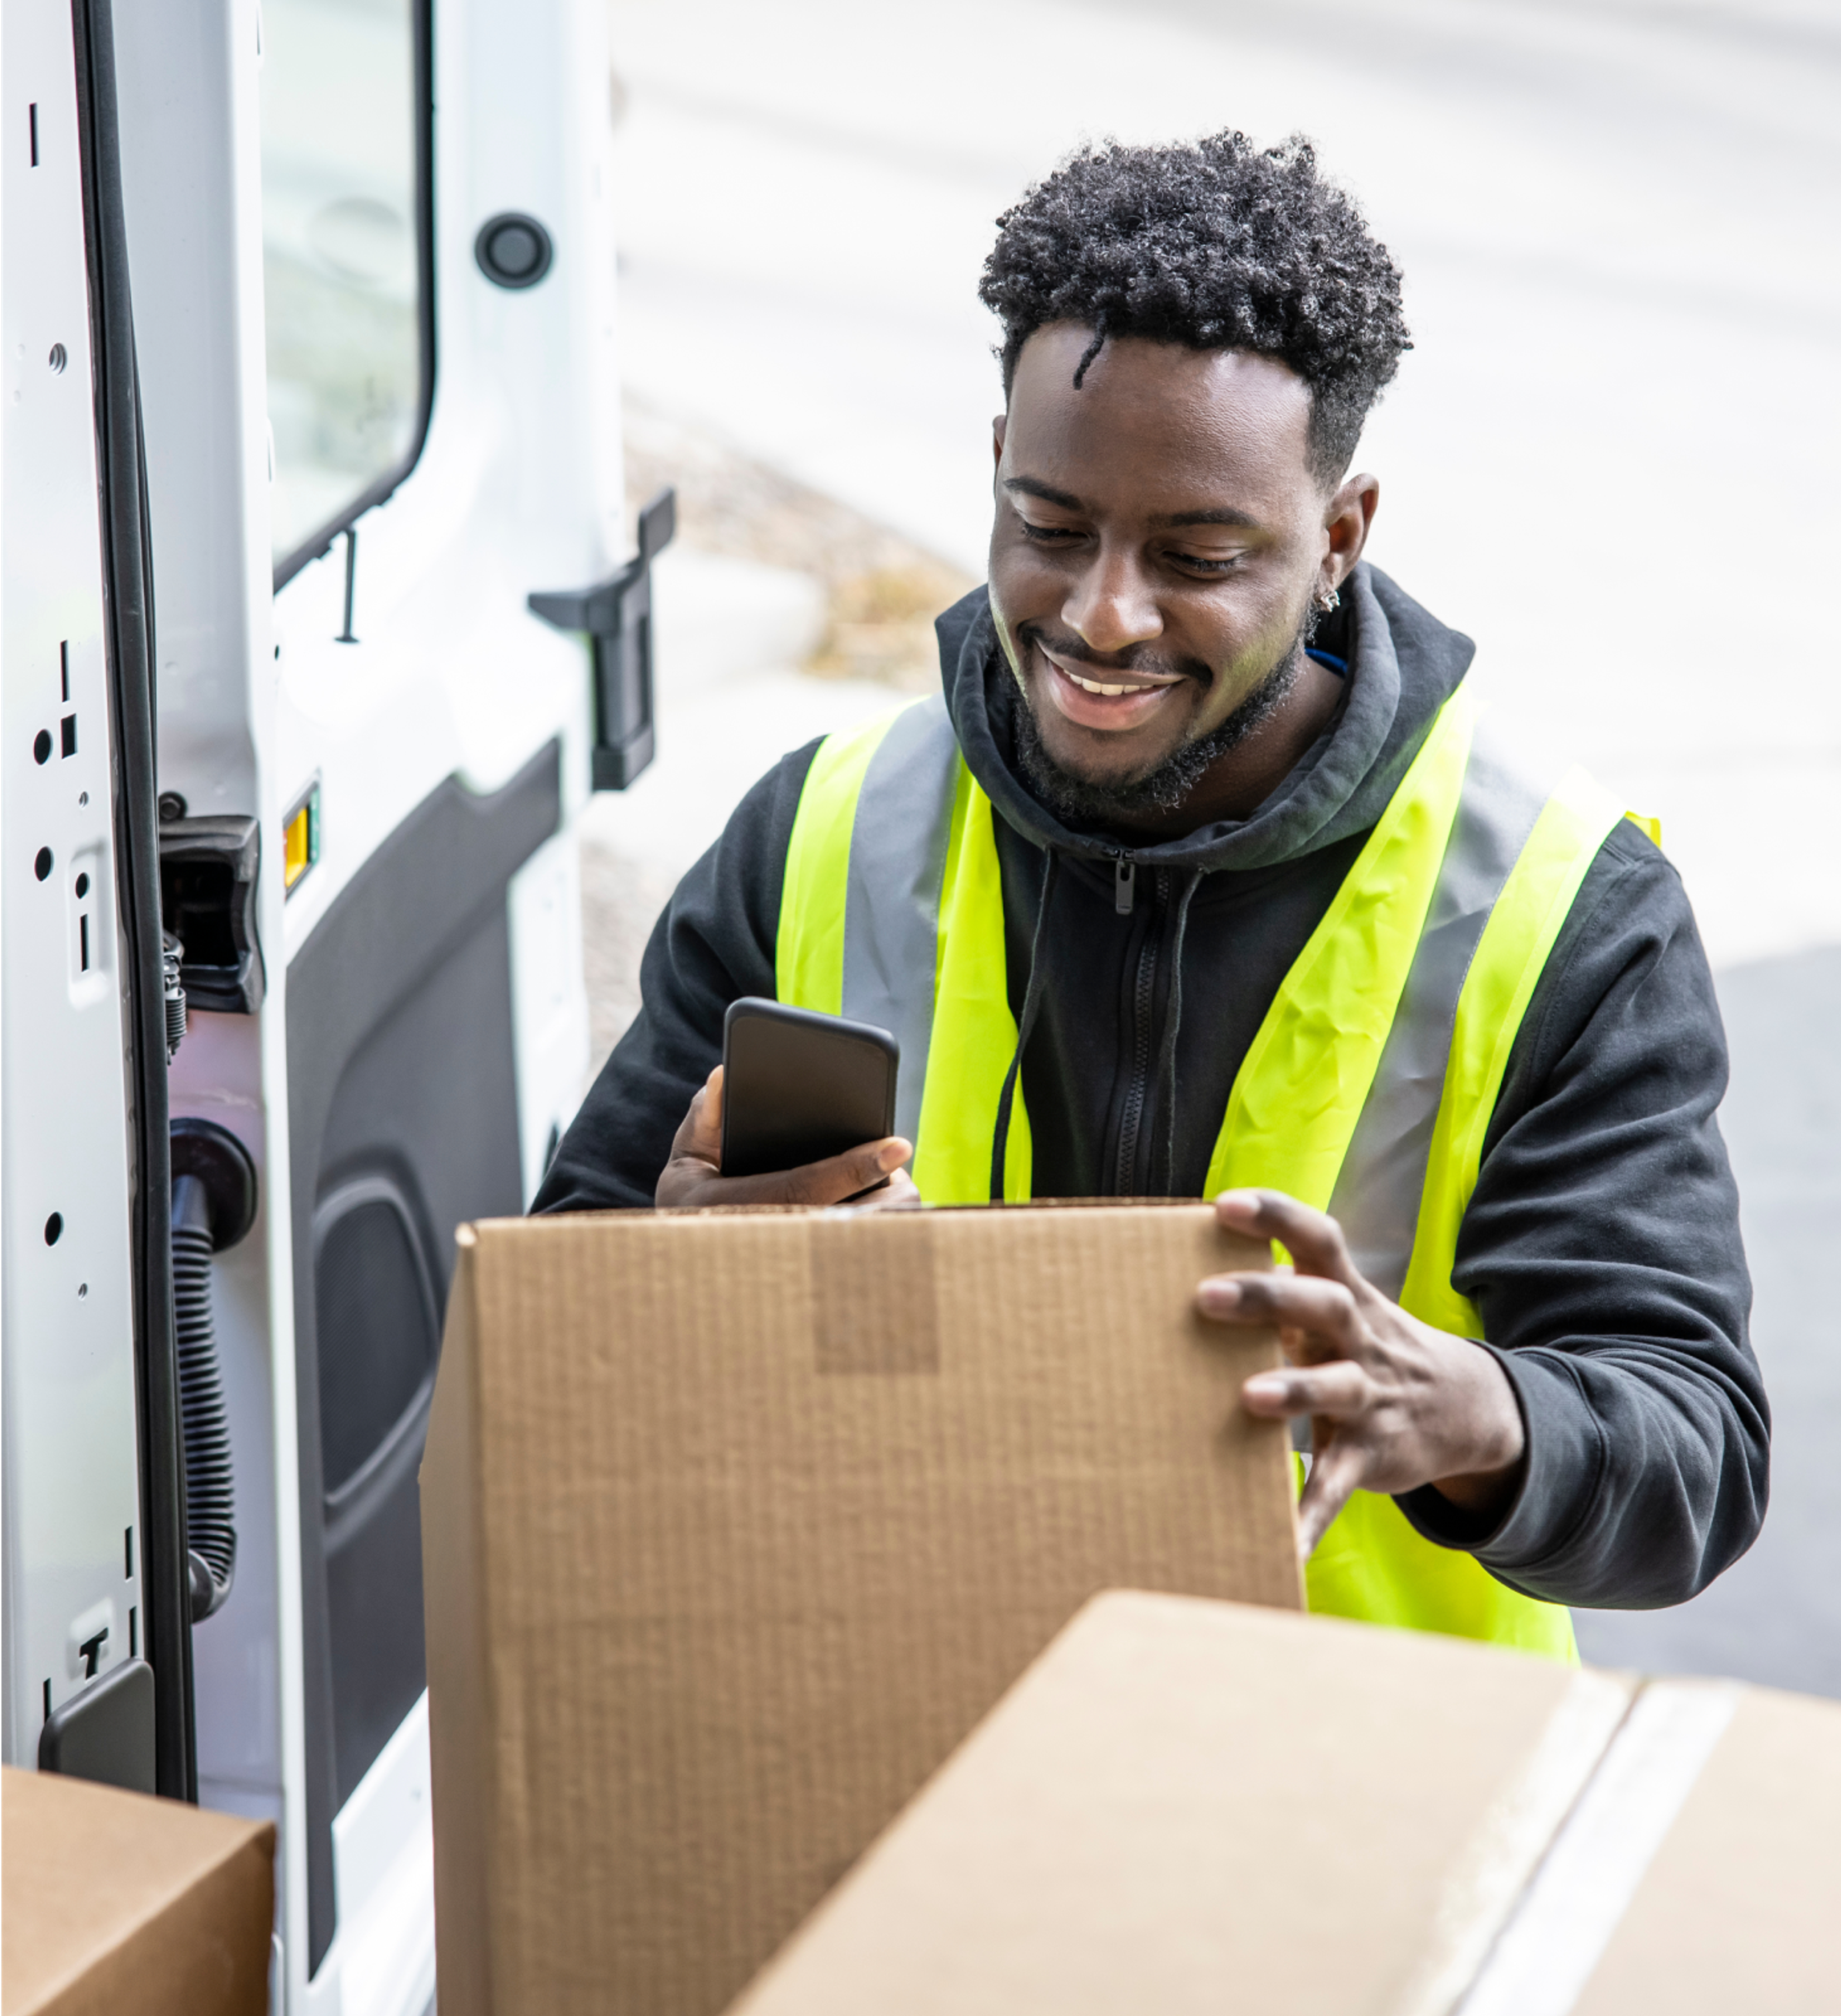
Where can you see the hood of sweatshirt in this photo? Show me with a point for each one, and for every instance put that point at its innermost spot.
(1403, 665)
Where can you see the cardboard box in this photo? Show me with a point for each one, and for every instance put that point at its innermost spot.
(1189, 1807)
(734, 1525)
(1737, 1909)
(114, 1902)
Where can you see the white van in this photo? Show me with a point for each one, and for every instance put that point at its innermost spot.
(310, 344)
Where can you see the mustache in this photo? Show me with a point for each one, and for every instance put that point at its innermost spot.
(1142, 658)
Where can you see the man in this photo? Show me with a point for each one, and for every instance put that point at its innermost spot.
(1206, 879)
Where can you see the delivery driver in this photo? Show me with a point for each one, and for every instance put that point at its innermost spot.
(1204, 876)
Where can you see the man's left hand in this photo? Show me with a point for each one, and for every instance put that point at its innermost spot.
(1393, 1403)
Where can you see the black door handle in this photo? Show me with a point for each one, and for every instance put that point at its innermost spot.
(616, 619)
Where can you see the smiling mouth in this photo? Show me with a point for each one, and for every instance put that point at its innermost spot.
(1120, 704)
(1113, 688)
(1099, 686)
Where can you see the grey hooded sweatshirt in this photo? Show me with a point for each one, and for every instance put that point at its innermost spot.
(1601, 1245)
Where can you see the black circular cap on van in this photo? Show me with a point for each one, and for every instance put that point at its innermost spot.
(514, 250)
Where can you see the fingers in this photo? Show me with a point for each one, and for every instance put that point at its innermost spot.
(1326, 1309)
(1336, 1471)
(898, 1193)
(829, 1181)
(1339, 1390)
(1312, 1238)
(699, 1138)
(697, 1148)
(840, 1176)
(693, 1178)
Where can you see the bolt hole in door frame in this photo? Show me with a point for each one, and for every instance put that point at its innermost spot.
(393, 686)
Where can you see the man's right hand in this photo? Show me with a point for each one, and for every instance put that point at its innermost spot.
(694, 1176)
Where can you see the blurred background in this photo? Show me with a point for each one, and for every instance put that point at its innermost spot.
(1610, 459)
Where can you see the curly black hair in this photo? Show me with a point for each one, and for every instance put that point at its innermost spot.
(1220, 246)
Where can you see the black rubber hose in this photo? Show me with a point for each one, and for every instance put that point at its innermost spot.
(211, 1498)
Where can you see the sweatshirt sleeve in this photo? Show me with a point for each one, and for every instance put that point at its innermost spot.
(1601, 1247)
(713, 944)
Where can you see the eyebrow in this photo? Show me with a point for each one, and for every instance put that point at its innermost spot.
(1031, 486)
(1222, 515)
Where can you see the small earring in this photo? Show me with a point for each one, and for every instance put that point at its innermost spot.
(1327, 599)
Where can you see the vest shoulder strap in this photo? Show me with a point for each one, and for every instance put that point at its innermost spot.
(1301, 1088)
(1524, 924)
(860, 925)
(809, 947)
(1376, 1199)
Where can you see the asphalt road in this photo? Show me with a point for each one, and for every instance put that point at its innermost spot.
(1610, 458)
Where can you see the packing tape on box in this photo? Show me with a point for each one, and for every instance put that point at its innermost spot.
(873, 1305)
(1553, 1942)
(1502, 1855)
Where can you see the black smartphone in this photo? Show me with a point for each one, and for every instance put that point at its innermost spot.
(797, 1086)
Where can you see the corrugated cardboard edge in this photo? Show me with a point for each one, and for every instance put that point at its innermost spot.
(202, 1951)
(459, 1679)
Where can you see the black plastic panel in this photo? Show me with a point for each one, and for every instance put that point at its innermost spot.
(106, 1733)
(377, 1329)
(402, 1103)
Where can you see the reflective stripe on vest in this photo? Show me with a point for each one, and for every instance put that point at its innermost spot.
(1367, 1090)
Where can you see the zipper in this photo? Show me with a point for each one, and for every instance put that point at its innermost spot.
(1143, 1002)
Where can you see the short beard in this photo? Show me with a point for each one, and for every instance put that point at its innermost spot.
(1082, 803)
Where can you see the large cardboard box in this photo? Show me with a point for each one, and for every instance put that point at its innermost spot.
(735, 1524)
(121, 1905)
(1189, 1807)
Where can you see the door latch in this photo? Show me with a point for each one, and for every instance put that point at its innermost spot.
(616, 620)
(208, 868)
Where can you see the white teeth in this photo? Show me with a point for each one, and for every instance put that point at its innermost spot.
(1109, 691)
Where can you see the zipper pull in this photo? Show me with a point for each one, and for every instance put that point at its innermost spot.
(1125, 884)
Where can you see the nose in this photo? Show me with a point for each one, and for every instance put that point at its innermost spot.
(1112, 605)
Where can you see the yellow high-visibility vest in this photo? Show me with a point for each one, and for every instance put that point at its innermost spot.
(1367, 1091)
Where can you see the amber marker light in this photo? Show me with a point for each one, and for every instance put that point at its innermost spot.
(300, 839)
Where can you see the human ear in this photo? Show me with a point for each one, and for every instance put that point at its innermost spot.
(1347, 518)
(997, 427)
